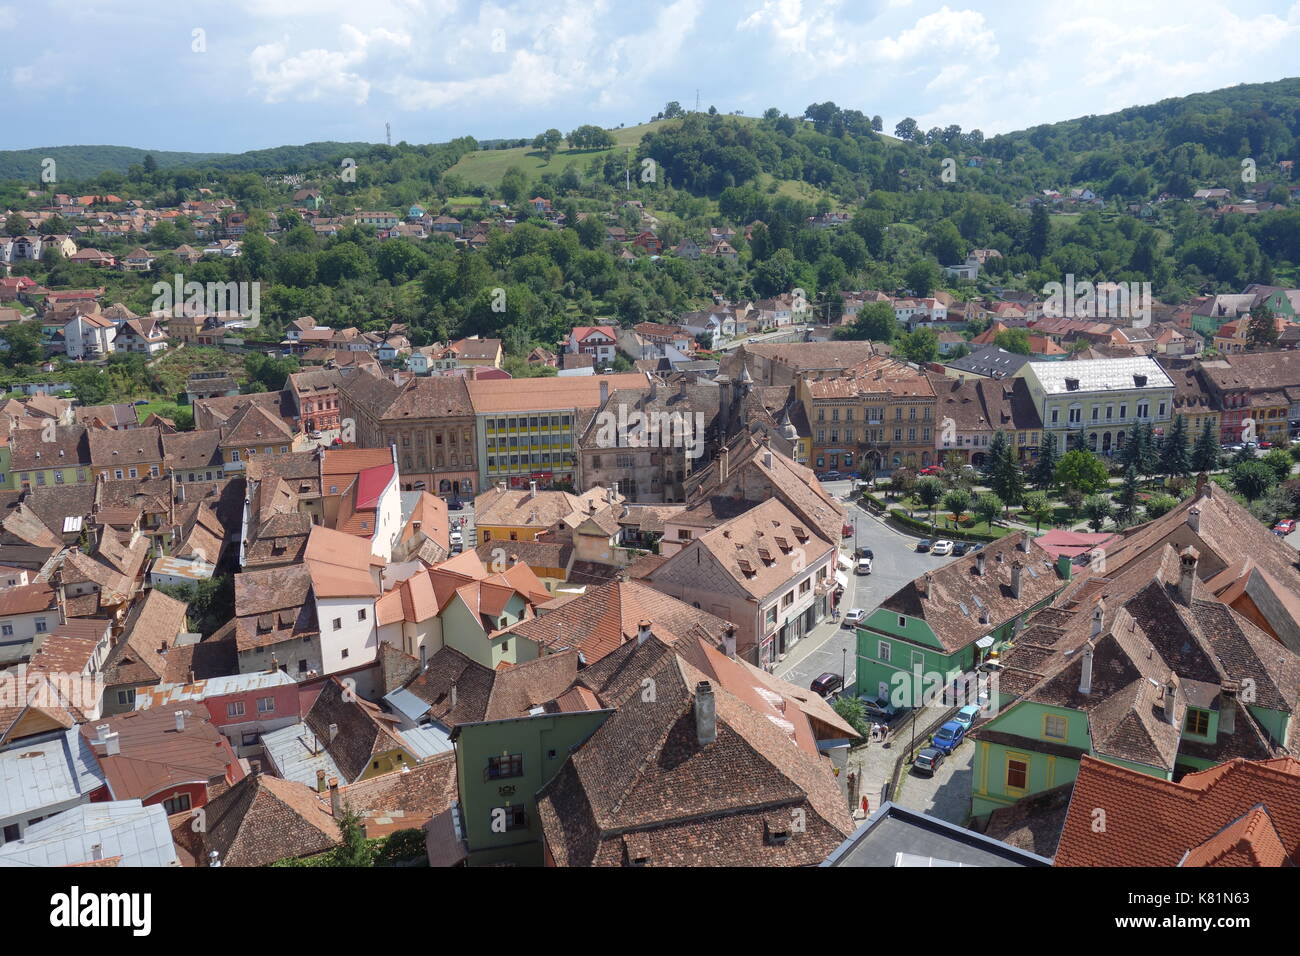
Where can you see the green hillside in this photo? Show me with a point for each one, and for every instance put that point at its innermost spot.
(485, 167)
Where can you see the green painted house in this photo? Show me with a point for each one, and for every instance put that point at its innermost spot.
(1146, 669)
(949, 621)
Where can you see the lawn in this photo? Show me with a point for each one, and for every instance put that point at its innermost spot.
(486, 167)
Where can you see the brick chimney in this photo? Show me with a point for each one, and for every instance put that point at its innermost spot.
(706, 716)
(320, 781)
(642, 631)
(335, 797)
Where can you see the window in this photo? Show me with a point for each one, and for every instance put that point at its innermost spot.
(507, 765)
(770, 617)
(515, 817)
(1197, 722)
(1055, 727)
(177, 804)
(266, 705)
(344, 654)
(883, 651)
(126, 697)
(902, 621)
(235, 709)
(361, 614)
(1017, 773)
(249, 739)
(302, 667)
(7, 630)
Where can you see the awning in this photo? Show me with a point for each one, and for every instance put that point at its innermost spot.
(841, 579)
(984, 642)
(846, 563)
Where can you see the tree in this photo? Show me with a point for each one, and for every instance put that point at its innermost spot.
(353, 851)
(1252, 479)
(955, 502)
(23, 343)
(1013, 340)
(1044, 475)
(854, 713)
(15, 225)
(1127, 499)
(921, 277)
(1078, 441)
(1097, 508)
(920, 346)
(1158, 505)
(875, 322)
(1261, 333)
(1006, 478)
(987, 507)
(907, 129)
(1082, 470)
(928, 491)
(1038, 507)
(993, 457)
(1174, 460)
(1040, 232)
(1279, 460)
(1205, 455)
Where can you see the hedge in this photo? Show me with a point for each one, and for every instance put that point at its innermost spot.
(916, 524)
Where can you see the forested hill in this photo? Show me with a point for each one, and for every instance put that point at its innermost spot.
(79, 163)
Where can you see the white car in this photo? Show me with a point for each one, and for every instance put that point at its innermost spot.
(854, 617)
(863, 566)
(457, 538)
(941, 548)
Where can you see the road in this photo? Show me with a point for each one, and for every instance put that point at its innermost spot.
(831, 647)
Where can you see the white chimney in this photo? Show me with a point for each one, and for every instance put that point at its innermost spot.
(1017, 570)
(767, 458)
(1098, 613)
(1024, 542)
(214, 858)
(604, 391)
(729, 641)
(706, 717)
(1171, 698)
(97, 851)
(1085, 677)
(532, 489)
(724, 463)
(1194, 519)
(180, 719)
(1187, 574)
(109, 740)
(979, 563)
(642, 632)
(453, 694)
(334, 732)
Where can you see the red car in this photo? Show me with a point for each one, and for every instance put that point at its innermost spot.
(932, 470)
(846, 530)
(1266, 444)
(1284, 527)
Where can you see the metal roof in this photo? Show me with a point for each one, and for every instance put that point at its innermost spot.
(290, 749)
(37, 776)
(123, 828)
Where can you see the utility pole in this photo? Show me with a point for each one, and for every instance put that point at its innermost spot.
(627, 171)
(388, 133)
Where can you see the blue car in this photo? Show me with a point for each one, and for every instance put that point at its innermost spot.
(948, 737)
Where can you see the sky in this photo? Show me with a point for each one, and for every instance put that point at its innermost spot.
(232, 75)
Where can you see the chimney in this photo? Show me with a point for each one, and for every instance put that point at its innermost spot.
(681, 386)
(604, 391)
(724, 463)
(335, 797)
(706, 717)
(1171, 697)
(514, 559)
(1023, 544)
(1201, 480)
(611, 492)
(979, 563)
(767, 457)
(1228, 706)
(1085, 676)
(97, 851)
(922, 585)
(1187, 574)
(214, 858)
(453, 694)
(320, 781)
(1017, 570)
(1194, 519)
(985, 616)
(729, 641)
(532, 489)
(334, 732)
(1098, 615)
(501, 486)
(642, 631)
(180, 720)
(1064, 567)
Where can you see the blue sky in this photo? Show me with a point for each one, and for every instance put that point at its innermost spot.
(272, 72)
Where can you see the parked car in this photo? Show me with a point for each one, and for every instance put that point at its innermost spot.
(846, 530)
(941, 548)
(140, 401)
(879, 710)
(827, 684)
(960, 548)
(457, 538)
(315, 436)
(967, 715)
(865, 553)
(932, 470)
(1266, 444)
(924, 544)
(927, 761)
(949, 737)
(1284, 527)
(863, 566)
(455, 504)
(854, 617)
